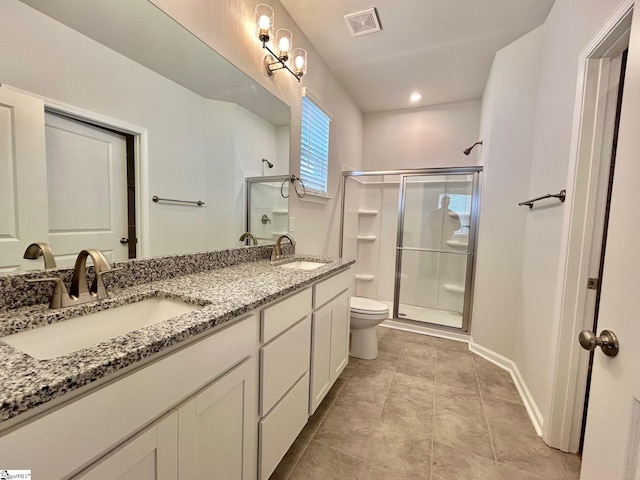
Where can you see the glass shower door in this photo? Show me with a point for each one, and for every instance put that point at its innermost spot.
(435, 249)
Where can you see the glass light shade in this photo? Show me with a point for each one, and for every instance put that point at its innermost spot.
(299, 61)
(264, 22)
(284, 42)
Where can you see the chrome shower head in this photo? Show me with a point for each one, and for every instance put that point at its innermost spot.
(269, 164)
(468, 150)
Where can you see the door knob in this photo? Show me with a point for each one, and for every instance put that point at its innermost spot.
(607, 341)
(124, 240)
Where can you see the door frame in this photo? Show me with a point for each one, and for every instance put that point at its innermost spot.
(141, 160)
(569, 381)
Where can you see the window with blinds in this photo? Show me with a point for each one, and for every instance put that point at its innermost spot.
(314, 148)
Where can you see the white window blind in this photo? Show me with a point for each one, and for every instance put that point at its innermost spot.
(314, 148)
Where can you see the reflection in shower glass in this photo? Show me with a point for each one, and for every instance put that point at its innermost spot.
(267, 207)
(434, 248)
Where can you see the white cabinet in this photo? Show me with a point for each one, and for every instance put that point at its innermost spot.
(284, 361)
(279, 429)
(227, 406)
(214, 437)
(320, 356)
(282, 315)
(284, 377)
(208, 437)
(104, 420)
(339, 334)
(150, 455)
(330, 335)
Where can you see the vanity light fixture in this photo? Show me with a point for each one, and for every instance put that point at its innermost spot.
(285, 57)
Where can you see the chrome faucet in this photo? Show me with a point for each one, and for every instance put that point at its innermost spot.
(80, 290)
(38, 249)
(250, 236)
(276, 254)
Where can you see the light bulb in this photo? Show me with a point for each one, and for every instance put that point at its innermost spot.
(415, 96)
(264, 22)
(299, 62)
(283, 45)
(284, 38)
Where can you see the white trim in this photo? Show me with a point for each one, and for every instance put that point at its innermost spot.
(510, 366)
(318, 103)
(313, 197)
(141, 158)
(568, 389)
(425, 330)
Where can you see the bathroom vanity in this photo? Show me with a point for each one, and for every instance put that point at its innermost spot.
(221, 391)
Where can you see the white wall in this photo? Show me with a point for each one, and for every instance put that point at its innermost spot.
(231, 32)
(423, 137)
(508, 117)
(517, 306)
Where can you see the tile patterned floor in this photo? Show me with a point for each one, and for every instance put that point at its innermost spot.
(426, 408)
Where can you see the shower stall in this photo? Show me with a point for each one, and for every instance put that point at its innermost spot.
(413, 234)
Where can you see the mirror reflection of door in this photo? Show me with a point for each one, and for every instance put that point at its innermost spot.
(22, 163)
(64, 182)
(87, 189)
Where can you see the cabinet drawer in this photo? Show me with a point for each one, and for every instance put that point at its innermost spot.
(281, 427)
(283, 362)
(277, 318)
(328, 289)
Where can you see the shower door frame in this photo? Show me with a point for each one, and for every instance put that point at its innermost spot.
(472, 240)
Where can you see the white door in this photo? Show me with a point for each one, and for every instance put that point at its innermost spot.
(612, 438)
(87, 189)
(23, 208)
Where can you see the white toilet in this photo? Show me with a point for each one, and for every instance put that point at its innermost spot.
(365, 315)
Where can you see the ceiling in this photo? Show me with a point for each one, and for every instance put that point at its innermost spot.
(442, 48)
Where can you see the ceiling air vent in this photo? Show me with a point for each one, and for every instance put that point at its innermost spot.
(362, 23)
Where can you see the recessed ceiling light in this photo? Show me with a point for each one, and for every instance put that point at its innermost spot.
(415, 96)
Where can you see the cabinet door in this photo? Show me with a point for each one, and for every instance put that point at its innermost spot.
(150, 455)
(339, 335)
(279, 429)
(320, 355)
(215, 436)
(330, 347)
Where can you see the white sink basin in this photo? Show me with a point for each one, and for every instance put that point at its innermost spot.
(303, 265)
(68, 336)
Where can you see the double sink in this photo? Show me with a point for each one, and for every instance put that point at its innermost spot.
(74, 334)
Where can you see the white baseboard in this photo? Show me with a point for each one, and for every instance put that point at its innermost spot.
(512, 368)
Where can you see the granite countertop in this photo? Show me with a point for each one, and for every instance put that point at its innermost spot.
(224, 294)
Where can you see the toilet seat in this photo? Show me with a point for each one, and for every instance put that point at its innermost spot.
(367, 306)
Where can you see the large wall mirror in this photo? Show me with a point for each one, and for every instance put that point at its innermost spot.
(106, 104)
